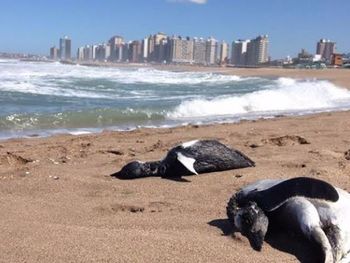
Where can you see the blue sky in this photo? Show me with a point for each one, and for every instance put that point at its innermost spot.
(35, 25)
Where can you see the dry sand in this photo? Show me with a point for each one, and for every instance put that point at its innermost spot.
(59, 204)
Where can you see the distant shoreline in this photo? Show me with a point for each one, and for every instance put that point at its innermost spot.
(338, 76)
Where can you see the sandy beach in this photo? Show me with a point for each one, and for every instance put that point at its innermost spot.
(59, 204)
(339, 76)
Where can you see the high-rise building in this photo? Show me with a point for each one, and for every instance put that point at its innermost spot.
(181, 50)
(54, 53)
(211, 51)
(87, 51)
(135, 51)
(162, 50)
(239, 52)
(150, 47)
(122, 54)
(163, 54)
(145, 49)
(80, 54)
(257, 51)
(103, 52)
(155, 47)
(199, 48)
(93, 52)
(114, 43)
(326, 49)
(107, 51)
(158, 48)
(126, 52)
(224, 51)
(65, 48)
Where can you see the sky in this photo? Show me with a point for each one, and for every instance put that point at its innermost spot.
(33, 26)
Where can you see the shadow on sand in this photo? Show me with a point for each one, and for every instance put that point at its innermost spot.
(293, 244)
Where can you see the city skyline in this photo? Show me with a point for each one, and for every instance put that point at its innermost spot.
(31, 27)
(160, 48)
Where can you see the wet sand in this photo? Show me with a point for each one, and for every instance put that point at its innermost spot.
(59, 204)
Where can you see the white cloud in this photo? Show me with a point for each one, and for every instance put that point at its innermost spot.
(200, 2)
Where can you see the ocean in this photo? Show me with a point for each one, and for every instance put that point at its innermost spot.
(41, 99)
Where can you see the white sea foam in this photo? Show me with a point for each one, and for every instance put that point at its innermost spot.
(153, 76)
(61, 80)
(284, 96)
(142, 75)
(4, 60)
(80, 132)
(47, 89)
(126, 98)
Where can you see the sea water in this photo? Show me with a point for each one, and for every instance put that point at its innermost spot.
(47, 98)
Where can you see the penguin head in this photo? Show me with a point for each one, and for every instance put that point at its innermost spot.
(130, 171)
(137, 169)
(252, 222)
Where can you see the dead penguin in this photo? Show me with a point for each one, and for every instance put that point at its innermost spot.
(193, 157)
(309, 206)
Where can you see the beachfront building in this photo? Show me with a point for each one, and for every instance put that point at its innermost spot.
(304, 57)
(181, 50)
(93, 52)
(164, 51)
(257, 51)
(88, 53)
(337, 60)
(54, 53)
(239, 52)
(158, 46)
(144, 49)
(211, 51)
(65, 48)
(115, 42)
(224, 51)
(103, 52)
(150, 52)
(199, 48)
(155, 47)
(120, 53)
(80, 54)
(135, 51)
(326, 49)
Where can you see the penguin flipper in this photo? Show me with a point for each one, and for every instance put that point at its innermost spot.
(187, 162)
(273, 197)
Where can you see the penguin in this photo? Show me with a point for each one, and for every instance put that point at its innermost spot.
(314, 208)
(189, 158)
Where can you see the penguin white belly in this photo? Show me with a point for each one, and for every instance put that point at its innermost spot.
(342, 211)
(338, 214)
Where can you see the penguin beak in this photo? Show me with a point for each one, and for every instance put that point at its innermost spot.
(256, 240)
(253, 224)
(130, 171)
(117, 175)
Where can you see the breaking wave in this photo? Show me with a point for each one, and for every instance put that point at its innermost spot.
(284, 95)
(46, 98)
